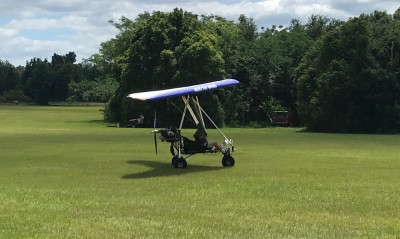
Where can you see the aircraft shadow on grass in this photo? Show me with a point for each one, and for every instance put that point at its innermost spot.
(159, 169)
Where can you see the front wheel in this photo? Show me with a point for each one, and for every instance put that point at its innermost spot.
(228, 161)
(180, 163)
(174, 159)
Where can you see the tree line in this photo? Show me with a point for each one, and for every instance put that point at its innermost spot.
(61, 79)
(334, 76)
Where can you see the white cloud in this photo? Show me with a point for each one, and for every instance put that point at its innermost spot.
(32, 24)
(7, 32)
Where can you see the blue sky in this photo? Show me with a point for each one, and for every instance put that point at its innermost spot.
(41, 28)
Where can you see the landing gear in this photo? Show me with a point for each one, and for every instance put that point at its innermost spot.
(179, 162)
(228, 161)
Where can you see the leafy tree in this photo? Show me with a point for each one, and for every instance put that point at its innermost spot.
(318, 25)
(247, 28)
(281, 53)
(199, 60)
(244, 66)
(46, 81)
(9, 77)
(343, 85)
(38, 81)
(62, 68)
(14, 96)
(100, 90)
(166, 50)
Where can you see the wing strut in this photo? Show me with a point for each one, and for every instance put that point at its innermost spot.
(197, 105)
(183, 117)
(187, 106)
(197, 110)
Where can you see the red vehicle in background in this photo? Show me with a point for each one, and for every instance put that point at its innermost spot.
(282, 118)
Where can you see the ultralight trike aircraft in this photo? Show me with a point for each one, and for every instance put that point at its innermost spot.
(181, 145)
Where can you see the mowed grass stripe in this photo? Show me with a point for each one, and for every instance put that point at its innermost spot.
(64, 173)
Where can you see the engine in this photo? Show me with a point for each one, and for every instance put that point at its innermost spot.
(169, 134)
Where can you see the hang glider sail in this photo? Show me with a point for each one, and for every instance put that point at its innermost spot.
(182, 91)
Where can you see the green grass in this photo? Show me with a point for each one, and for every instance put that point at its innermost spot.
(65, 174)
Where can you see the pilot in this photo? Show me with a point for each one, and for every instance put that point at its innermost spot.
(201, 138)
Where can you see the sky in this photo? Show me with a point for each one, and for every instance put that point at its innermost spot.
(41, 28)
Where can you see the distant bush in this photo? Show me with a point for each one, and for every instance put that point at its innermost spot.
(14, 96)
(99, 90)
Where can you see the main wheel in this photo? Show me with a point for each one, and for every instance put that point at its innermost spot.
(174, 159)
(180, 163)
(228, 161)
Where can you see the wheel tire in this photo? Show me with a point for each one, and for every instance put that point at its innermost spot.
(180, 163)
(228, 161)
(174, 159)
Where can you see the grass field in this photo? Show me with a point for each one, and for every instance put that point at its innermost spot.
(65, 174)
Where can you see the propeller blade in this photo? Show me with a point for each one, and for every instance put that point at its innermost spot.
(155, 119)
(155, 131)
(155, 141)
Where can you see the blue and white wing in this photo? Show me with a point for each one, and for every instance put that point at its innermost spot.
(188, 90)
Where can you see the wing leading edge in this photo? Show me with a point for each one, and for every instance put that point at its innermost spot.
(188, 90)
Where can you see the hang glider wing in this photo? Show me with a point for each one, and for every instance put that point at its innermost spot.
(188, 90)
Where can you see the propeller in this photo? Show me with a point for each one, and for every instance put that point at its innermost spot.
(155, 131)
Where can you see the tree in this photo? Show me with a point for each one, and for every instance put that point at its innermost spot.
(281, 53)
(318, 25)
(344, 86)
(15, 96)
(38, 81)
(247, 28)
(62, 73)
(99, 90)
(9, 77)
(198, 59)
(46, 81)
(166, 50)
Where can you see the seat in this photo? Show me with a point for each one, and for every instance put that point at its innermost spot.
(192, 147)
